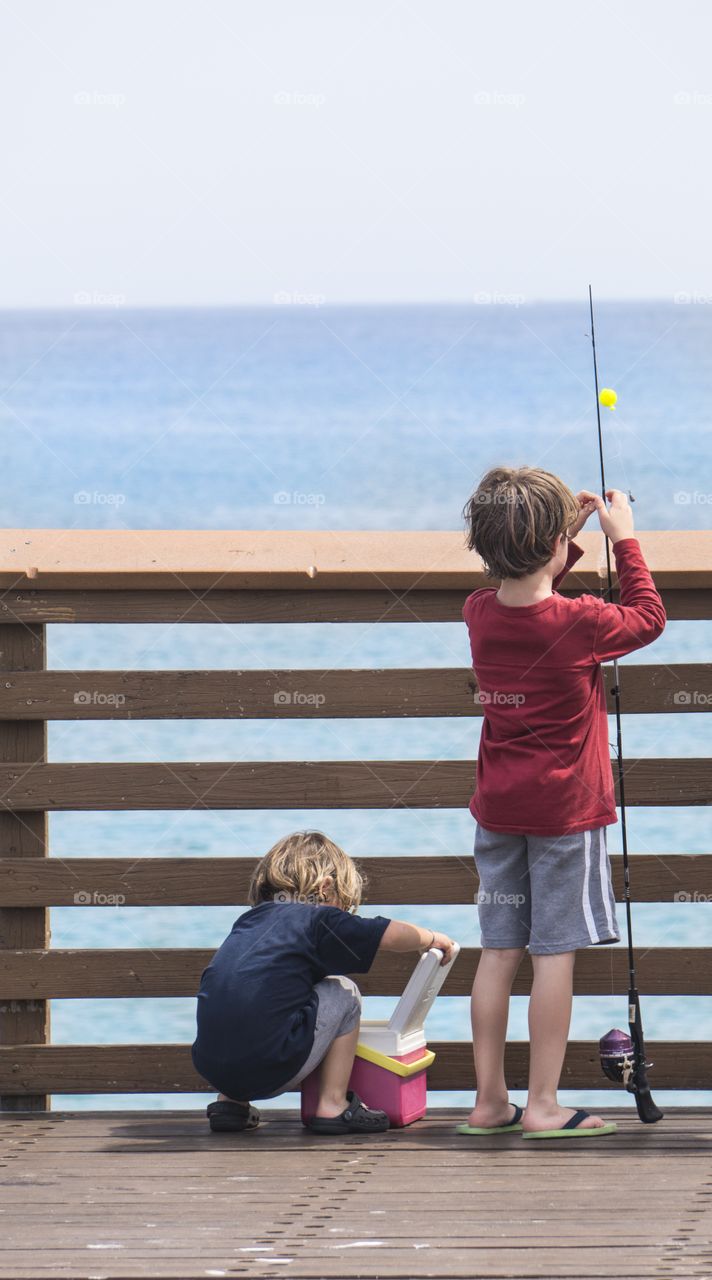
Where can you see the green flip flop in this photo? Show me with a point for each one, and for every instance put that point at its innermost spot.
(572, 1129)
(514, 1126)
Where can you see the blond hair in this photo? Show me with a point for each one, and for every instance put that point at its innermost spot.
(515, 517)
(296, 866)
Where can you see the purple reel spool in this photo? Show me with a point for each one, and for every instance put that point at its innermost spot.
(617, 1061)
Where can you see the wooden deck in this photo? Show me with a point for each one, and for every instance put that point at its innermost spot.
(124, 1194)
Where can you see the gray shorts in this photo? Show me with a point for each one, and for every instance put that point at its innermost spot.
(338, 1012)
(548, 893)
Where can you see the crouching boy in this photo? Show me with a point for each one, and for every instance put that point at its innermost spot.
(275, 1002)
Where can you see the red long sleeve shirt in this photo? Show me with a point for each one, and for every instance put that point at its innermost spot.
(544, 764)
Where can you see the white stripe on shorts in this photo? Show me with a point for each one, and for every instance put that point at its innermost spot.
(585, 897)
(603, 868)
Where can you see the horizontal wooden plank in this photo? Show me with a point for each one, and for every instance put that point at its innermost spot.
(108, 974)
(220, 606)
(322, 694)
(338, 605)
(305, 559)
(286, 694)
(238, 785)
(304, 784)
(139, 881)
(677, 1065)
(167, 1068)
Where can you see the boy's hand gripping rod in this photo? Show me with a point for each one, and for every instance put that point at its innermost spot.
(634, 1075)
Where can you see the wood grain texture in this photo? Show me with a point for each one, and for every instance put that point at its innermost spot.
(310, 694)
(125, 1195)
(330, 784)
(394, 559)
(139, 881)
(62, 974)
(23, 837)
(272, 606)
(167, 1068)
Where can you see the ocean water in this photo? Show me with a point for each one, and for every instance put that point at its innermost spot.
(299, 417)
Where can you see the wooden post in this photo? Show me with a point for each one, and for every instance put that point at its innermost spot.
(22, 648)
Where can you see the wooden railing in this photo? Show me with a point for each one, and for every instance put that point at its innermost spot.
(51, 576)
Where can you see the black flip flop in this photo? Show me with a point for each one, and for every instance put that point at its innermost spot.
(232, 1117)
(357, 1118)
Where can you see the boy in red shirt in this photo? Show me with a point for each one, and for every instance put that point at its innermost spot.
(544, 794)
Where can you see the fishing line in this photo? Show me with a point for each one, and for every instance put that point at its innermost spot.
(622, 1056)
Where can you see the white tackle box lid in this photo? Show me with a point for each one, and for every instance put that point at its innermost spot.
(405, 1029)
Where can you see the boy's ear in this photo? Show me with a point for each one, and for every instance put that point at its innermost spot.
(326, 889)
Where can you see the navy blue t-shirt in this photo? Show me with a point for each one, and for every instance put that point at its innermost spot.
(257, 1005)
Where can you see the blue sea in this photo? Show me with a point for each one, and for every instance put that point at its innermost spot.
(311, 417)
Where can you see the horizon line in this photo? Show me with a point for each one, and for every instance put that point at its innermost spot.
(680, 298)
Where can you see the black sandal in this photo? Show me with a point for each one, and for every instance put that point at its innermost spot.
(357, 1118)
(232, 1117)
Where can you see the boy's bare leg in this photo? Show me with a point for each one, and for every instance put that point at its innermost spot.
(334, 1074)
(549, 1021)
(490, 1011)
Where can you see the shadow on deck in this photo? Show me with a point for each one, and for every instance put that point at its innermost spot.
(113, 1195)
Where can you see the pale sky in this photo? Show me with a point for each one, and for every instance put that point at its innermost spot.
(214, 152)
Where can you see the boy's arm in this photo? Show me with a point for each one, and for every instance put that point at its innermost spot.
(401, 936)
(573, 554)
(640, 617)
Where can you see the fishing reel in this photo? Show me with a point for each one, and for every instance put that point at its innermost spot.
(622, 1064)
(618, 1058)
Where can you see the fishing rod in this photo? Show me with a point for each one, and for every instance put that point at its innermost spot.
(622, 1056)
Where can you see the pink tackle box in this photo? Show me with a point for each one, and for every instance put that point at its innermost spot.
(392, 1058)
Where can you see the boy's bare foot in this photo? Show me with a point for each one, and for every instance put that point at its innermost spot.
(491, 1115)
(556, 1118)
